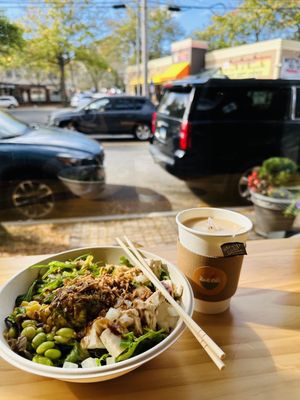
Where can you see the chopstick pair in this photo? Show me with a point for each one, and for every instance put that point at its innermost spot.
(211, 348)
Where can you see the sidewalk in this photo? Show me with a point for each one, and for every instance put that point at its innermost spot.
(148, 231)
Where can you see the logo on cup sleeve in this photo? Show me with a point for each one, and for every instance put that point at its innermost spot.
(210, 280)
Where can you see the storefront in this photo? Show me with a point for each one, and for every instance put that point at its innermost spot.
(28, 93)
(187, 58)
(271, 59)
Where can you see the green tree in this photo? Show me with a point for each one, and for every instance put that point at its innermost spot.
(162, 30)
(94, 63)
(11, 38)
(251, 21)
(55, 31)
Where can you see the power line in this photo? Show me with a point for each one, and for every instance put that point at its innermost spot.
(173, 6)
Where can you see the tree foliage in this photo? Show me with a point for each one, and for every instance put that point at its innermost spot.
(94, 62)
(55, 32)
(253, 20)
(162, 30)
(11, 37)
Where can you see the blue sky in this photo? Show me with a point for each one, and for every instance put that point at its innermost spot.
(194, 14)
(188, 19)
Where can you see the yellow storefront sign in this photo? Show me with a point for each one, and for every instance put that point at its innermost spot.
(257, 68)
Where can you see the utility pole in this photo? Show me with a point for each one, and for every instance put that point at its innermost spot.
(144, 48)
(138, 49)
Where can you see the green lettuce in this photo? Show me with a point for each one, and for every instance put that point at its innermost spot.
(134, 346)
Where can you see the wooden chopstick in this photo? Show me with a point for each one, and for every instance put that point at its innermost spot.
(212, 349)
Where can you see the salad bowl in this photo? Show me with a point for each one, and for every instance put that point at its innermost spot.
(20, 283)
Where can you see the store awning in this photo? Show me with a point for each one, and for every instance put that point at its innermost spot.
(174, 71)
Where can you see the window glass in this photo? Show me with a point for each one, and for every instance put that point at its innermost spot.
(10, 126)
(123, 104)
(138, 104)
(174, 103)
(99, 105)
(297, 105)
(242, 103)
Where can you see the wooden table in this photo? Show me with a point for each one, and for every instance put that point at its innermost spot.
(260, 334)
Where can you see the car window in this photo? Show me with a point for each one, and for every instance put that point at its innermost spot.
(139, 103)
(242, 103)
(297, 104)
(10, 126)
(174, 103)
(99, 105)
(123, 104)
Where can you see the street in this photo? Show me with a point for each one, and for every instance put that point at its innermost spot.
(134, 183)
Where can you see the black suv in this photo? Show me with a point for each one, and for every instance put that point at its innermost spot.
(222, 126)
(109, 115)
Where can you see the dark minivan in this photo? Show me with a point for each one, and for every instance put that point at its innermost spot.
(225, 126)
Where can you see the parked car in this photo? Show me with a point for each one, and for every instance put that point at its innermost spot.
(31, 160)
(8, 102)
(117, 114)
(221, 126)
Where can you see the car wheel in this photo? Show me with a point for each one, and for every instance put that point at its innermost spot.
(142, 132)
(32, 198)
(11, 106)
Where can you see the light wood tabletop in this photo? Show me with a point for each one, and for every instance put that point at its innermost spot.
(260, 334)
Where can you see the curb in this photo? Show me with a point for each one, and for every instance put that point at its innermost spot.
(105, 218)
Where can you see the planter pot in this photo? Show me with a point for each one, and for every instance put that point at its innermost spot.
(269, 215)
(86, 181)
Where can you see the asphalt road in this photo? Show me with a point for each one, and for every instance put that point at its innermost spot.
(134, 183)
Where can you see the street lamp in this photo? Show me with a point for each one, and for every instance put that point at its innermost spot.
(174, 8)
(118, 6)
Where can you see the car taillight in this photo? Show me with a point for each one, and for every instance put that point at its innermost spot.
(154, 116)
(184, 135)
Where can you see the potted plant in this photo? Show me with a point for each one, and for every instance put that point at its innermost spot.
(274, 191)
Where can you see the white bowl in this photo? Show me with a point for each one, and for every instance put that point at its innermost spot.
(20, 283)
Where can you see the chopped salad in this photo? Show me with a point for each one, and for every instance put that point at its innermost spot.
(84, 313)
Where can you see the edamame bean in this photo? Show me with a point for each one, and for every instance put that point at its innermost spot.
(53, 354)
(40, 330)
(42, 360)
(38, 339)
(61, 339)
(12, 332)
(50, 336)
(44, 346)
(28, 322)
(29, 332)
(66, 332)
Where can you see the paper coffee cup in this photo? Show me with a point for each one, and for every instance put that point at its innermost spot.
(212, 259)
